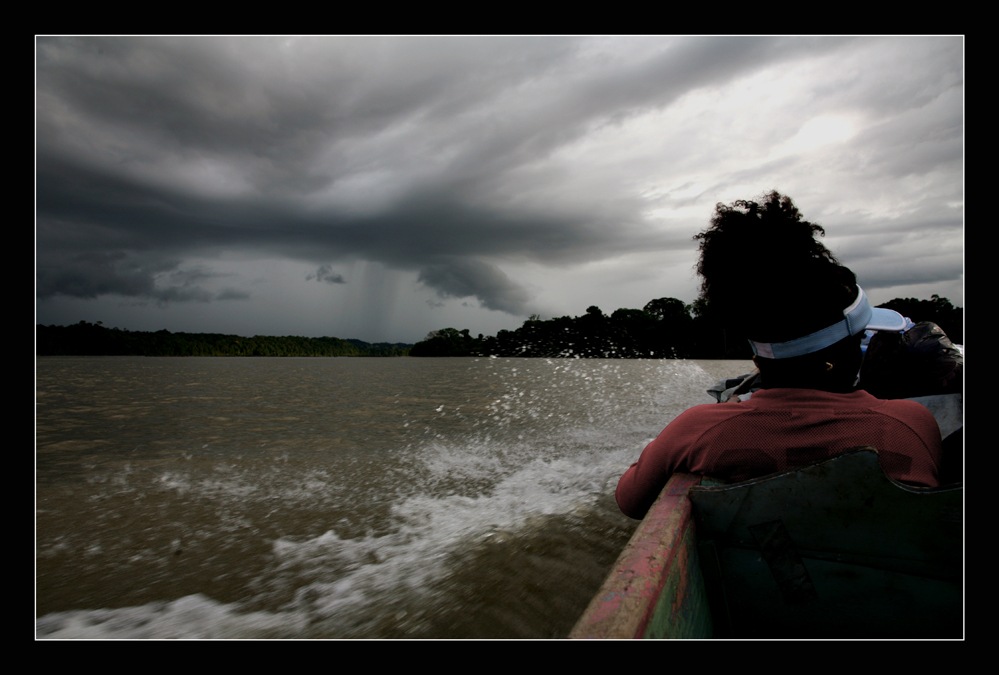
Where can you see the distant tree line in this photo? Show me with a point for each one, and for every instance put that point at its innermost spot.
(665, 328)
(88, 339)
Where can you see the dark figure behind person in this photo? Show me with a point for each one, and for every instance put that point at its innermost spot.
(921, 361)
(765, 273)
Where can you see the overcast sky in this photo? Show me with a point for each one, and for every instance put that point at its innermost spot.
(382, 187)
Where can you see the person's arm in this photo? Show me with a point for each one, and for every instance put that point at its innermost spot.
(678, 447)
(640, 485)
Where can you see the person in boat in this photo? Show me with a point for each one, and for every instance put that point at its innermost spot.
(919, 360)
(805, 317)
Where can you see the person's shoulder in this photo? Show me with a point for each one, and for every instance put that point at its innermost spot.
(903, 408)
(893, 403)
(710, 411)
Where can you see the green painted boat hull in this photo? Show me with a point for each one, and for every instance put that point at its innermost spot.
(832, 550)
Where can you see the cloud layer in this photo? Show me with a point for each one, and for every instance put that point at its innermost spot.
(427, 181)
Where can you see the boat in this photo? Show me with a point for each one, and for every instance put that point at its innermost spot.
(832, 550)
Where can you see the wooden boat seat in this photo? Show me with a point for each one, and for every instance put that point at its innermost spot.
(832, 550)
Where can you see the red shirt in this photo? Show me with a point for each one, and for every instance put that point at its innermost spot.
(781, 429)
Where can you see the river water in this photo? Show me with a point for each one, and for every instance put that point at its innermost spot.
(337, 498)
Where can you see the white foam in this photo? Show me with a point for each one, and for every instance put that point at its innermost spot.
(478, 487)
(191, 617)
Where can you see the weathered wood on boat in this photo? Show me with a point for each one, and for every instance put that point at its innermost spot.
(655, 589)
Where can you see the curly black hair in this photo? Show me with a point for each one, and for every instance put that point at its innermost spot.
(767, 275)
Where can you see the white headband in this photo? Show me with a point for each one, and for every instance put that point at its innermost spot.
(857, 317)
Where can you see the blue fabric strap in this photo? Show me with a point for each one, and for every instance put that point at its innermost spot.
(855, 319)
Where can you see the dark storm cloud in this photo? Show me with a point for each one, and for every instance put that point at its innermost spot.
(461, 277)
(151, 149)
(326, 274)
(453, 159)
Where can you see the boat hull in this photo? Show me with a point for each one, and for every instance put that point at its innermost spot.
(832, 550)
(655, 589)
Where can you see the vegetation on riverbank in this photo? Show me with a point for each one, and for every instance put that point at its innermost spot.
(88, 339)
(663, 328)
